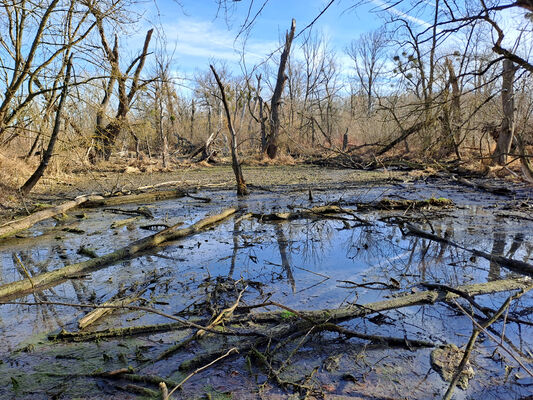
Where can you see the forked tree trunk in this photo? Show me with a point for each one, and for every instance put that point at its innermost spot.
(505, 138)
(105, 136)
(241, 184)
(272, 140)
(32, 181)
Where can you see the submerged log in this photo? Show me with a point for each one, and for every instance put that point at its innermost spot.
(18, 288)
(13, 227)
(518, 266)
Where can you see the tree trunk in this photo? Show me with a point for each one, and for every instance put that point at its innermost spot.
(32, 181)
(105, 137)
(505, 138)
(241, 184)
(272, 140)
(455, 109)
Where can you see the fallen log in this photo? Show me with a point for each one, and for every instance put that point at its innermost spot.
(98, 313)
(390, 204)
(85, 336)
(401, 301)
(135, 198)
(305, 320)
(513, 265)
(19, 288)
(13, 227)
(319, 211)
(503, 191)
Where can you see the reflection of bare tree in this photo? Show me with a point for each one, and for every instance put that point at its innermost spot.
(2, 269)
(235, 235)
(498, 247)
(317, 236)
(46, 314)
(518, 240)
(285, 262)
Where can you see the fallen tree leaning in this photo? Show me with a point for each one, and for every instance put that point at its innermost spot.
(18, 288)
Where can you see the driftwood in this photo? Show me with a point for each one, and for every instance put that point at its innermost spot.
(98, 313)
(12, 227)
(136, 198)
(18, 288)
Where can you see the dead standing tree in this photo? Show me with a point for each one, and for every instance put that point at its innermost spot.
(241, 184)
(106, 135)
(505, 137)
(272, 139)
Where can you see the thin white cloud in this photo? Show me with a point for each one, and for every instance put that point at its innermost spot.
(393, 10)
(194, 38)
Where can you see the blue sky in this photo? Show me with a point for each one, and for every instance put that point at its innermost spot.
(200, 36)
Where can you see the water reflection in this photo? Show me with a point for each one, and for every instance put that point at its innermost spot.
(297, 263)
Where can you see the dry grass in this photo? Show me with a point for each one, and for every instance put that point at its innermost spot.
(13, 173)
(260, 159)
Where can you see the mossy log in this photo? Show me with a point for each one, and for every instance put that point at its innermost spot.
(18, 288)
(405, 300)
(390, 204)
(136, 198)
(314, 212)
(18, 225)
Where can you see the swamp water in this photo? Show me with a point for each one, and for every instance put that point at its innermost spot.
(303, 264)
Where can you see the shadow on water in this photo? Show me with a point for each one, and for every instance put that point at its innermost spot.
(305, 264)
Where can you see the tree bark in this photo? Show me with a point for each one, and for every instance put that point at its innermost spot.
(272, 140)
(505, 138)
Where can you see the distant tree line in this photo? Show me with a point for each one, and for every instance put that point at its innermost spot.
(458, 86)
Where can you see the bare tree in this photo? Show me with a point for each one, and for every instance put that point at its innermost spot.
(506, 133)
(106, 135)
(33, 36)
(272, 139)
(241, 184)
(369, 56)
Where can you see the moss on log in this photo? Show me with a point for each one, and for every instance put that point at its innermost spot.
(136, 198)
(13, 227)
